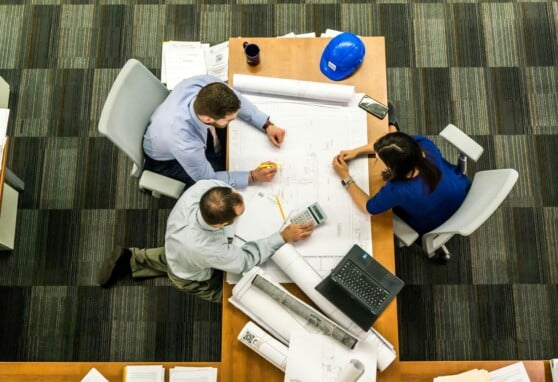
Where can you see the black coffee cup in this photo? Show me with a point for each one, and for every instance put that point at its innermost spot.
(252, 53)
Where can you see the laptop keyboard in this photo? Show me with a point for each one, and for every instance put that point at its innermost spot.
(355, 280)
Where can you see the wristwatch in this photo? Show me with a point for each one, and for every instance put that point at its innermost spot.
(347, 182)
(266, 125)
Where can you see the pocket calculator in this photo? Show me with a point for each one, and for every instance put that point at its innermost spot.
(312, 214)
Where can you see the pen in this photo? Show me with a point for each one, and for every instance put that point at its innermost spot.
(280, 207)
(269, 165)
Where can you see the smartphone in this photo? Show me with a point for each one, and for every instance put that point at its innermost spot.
(374, 107)
(312, 214)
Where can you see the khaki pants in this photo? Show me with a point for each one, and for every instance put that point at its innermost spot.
(151, 262)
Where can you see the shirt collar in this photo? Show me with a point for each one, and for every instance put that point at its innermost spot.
(199, 124)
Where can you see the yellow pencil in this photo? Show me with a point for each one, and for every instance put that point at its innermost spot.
(269, 165)
(280, 207)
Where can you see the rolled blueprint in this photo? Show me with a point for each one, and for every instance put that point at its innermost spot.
(313, 317)
(294, 88)
(306, 278)
(352, 372)
(265, 345)
(280, 322)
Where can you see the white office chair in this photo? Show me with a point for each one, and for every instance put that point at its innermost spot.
(134, 96)
(488, 190)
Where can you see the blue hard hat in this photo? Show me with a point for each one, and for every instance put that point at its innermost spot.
(342, 56)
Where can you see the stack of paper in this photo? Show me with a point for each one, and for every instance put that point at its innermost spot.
(192, 374)
(474, 375)
(184, 59)
(515, 372)
(150, 373)
(512, 373)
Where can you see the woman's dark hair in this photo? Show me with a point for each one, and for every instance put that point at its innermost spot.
(217, 205)
(401, 155)
(216, 100)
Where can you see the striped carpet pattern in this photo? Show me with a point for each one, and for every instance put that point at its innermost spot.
(490, 67)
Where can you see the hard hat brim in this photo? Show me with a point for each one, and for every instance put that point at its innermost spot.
(335, 75)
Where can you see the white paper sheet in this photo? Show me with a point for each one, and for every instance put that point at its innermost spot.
(474, 375)
(315, 133)
(319, 358)
(141, 373)
(94, 376)
(218, 61)
(513, 373)
(192, 374)
(334, 93)
(264, 344)
(330, 33)
(180, 60)
(4, 116)
(261, 217)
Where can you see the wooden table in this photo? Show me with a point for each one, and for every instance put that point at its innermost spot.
(296, 58)
(299, 58)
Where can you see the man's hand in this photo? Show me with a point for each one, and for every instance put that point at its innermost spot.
(263, 173)
(296, 232)
(340, 166)
(275, 134)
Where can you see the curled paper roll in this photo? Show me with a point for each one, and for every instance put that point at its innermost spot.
(352, 372)
(265, 345)
(306, 278)
(294, 88)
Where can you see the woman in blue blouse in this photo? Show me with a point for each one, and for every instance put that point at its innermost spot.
(421, 186)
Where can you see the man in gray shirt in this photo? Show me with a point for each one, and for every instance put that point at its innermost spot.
(198, 244)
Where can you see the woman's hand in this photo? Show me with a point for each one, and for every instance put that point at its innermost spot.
(347, 155)
(340, 167)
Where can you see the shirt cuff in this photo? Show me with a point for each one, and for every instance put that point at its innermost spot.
(277, 241)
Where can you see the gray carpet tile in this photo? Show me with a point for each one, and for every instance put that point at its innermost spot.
(550, 216)
(467, 47)
(77, 36)
(500, 22)
(541, 86)
(182, 22)
(14, 312)
(547, 166)
(400, 47)
(60, 170)
(430, 36)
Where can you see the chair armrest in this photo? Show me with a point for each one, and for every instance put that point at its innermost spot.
(462, 142)
(161, 184)
(403, 231)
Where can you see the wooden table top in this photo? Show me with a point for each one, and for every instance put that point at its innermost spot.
(298, 58)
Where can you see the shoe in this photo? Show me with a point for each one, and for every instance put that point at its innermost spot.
(392, 118)
(116, 266)
(441, 257)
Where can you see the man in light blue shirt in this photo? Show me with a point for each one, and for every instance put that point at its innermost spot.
(186, 136)
(198, 244)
